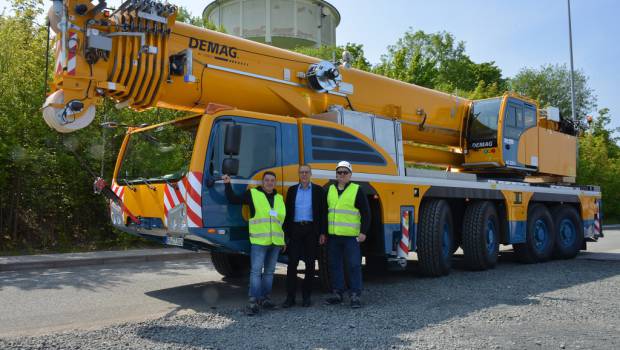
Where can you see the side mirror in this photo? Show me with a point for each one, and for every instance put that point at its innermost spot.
(230, 166)
(232, 140)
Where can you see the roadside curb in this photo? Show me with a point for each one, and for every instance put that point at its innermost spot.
(611, 227)
(47, 261)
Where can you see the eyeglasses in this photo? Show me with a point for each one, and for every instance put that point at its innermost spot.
(342, 172)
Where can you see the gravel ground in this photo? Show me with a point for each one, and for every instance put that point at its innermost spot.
(557, 305)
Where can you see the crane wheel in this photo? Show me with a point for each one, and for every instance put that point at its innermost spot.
(480, 236)
(435, 236)
(539, 236)
(568, 232)
(231, 265)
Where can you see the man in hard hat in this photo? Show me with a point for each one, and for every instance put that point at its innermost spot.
(348, 221)
(267, 212)
(306, 221)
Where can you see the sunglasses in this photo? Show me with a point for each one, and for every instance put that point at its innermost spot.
(342, 172)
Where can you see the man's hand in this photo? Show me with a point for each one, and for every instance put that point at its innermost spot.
(322, 239)
(226, 179)
(361, 238)
(283, 249)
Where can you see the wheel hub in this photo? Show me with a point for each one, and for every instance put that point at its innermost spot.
(568, 233)
(541, 235)
(490, 236)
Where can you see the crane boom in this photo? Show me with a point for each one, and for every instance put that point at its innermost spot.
(141, 57)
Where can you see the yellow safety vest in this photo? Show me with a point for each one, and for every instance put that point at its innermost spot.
(266, 229)
(343, 217)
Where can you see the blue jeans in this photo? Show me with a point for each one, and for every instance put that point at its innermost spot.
(263, 263)
(339, 248)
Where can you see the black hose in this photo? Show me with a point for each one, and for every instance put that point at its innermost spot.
(349, 102)
(47, 60)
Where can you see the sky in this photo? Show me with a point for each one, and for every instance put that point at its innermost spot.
(514, 34)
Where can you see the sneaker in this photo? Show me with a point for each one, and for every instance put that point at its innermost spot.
(356, 303)
(289, 302)
(252, 309)
(334, 299)
(267, 304)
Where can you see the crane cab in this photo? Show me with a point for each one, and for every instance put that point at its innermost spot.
(511, 134)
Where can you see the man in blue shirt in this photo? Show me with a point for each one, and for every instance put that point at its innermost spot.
(305, 225)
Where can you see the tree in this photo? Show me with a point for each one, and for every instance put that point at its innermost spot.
(599, 163)
(46, 199)
(183, 15)
(437, 61)
(550, 86)
(484, 90)
(332, 53)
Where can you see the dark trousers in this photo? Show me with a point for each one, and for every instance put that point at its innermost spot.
(338, 249)
(302, 245)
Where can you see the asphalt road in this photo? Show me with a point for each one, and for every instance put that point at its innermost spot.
(88, 298)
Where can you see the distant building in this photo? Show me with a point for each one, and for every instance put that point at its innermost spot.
(282, 23)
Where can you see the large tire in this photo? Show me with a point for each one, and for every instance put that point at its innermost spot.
(539, 236)
(480, 236)
(435, 237)
(568, 231)
(231, 265)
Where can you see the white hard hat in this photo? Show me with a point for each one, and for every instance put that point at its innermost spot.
(344, 164)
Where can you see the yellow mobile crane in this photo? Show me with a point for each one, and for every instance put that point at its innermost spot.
(258, 108)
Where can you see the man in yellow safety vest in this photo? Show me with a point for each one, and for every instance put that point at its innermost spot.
(267, 212)
(348, 221)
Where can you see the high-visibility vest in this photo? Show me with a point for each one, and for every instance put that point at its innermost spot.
(343, 217)
(265, 228)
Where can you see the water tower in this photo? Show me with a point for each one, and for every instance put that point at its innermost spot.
(282, 23)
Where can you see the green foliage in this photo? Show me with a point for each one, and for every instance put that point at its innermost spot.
(484, 90)
(183, 15)
(332, 53)
(437, 61)
(550, 86)
(46, 198)
(599, 163)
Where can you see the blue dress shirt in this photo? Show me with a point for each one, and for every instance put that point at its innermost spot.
(303, 203)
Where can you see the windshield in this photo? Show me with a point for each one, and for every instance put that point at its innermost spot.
(159, 154)
(483, 121)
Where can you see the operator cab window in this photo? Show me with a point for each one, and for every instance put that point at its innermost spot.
(257, 150)
(519, 117)
(530, 116)
(513, 123)
(483, 119)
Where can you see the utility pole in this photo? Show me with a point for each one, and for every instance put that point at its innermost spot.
(572, 75)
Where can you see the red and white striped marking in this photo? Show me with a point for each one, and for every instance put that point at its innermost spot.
(403, 245)
(188, 190)
(597, 220)
(72, 54)
(173, 196)
(59, 54)
(118, 190)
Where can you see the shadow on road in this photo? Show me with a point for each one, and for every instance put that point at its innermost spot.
(417, 301)
(92, 277)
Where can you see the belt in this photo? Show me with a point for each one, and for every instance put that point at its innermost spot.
(303, 223)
